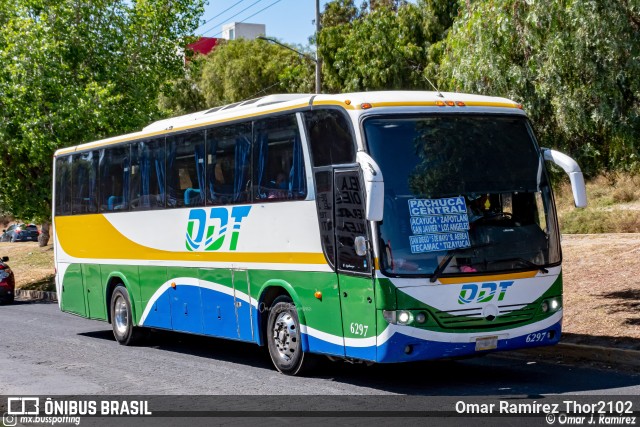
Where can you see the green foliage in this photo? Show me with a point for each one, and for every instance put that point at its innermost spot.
(77, 71)
(241, 69)
(572, 63)
(391, 46)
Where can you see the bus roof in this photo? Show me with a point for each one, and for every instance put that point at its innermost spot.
(279, 103)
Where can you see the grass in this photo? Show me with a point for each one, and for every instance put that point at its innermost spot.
(32, 265)
(614, 206)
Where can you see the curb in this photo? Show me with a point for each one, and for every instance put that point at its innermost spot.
(591, 353)
(36, 295)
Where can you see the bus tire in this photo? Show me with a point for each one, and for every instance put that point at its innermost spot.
(284, 339)
(122, 319)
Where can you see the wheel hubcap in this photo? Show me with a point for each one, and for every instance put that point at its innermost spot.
(121, 315)
(285, 336)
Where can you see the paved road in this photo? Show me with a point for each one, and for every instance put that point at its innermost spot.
(44, 351)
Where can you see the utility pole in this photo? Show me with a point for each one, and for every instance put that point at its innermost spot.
(318, 61)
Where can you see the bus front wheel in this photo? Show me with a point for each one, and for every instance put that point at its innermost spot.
(284, 338)
(121, 318)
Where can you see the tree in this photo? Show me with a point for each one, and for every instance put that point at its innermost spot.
(242, 69)
(391, 46)
(75, 71)
(573, 64)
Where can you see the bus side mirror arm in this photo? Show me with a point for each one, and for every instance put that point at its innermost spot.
(575, 174)
(373, 186)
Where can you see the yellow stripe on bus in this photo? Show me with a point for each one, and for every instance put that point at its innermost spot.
(433, 104)
(108, 243)
(491, 278)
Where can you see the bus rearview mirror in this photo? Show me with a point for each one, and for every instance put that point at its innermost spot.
(373, 186)
(572, 169)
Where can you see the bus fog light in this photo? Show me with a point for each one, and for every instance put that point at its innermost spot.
(389, 316)
(544, 306)
(404, 317)
(421, 317)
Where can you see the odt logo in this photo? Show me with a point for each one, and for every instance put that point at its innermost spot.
(483, 293)
(215, 228)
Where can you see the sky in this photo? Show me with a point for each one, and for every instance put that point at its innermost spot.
(290, 21)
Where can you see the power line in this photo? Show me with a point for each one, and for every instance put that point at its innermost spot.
(263, 9)
(231, 17)
(227, 9)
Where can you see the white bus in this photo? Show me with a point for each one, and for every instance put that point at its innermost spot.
(379, 227)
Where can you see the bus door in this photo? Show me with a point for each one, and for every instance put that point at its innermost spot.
(353, 265)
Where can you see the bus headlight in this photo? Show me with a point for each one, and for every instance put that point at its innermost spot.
(550, 305)
(421, 317)
(404, 317)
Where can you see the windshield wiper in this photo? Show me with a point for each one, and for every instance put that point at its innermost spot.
(525, 262)
(447, 259)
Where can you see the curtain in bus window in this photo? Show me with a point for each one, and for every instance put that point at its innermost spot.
(263, 152)
(93, 183)
(145, 169)
(297, 178)
(242, 160)
(212, 161)
(126, 176)
(171, 177)
(158, 159)
(200, 171)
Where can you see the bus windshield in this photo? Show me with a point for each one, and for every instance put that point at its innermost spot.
(464, 194)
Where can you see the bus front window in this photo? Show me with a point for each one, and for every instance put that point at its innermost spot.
(467, 193)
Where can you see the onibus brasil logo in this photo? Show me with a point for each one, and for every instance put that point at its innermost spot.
(209, 229)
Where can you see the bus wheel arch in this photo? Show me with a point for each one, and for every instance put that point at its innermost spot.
(114, 280)
(121, 311)
(285, 338)
(269, 292)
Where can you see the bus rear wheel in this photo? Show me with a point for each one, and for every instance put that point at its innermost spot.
(122, 319)
(284, 338)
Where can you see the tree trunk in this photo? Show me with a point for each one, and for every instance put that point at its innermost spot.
(43, 238)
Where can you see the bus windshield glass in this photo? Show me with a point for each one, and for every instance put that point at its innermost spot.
(464, 194)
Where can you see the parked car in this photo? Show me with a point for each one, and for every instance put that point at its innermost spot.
(7, 282)
(20, 232)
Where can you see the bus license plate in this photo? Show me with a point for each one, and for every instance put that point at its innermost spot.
(486, 343)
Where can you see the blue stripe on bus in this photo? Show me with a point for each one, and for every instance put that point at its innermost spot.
(393, 350)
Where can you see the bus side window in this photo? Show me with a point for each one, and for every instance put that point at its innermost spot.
(185, 169)
(147, 174)
(330, 137)
(228, 158)
(85, 188)
(63, 185)
(115, 174)
(278, 160)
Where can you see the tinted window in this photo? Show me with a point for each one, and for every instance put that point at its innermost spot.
(63, 186)
(350, 221)
(115, 175)
(147, 174)
(228, 164)
(85, 182)
(185, 169)
(324, 202)
(278, 160)
(330, 137)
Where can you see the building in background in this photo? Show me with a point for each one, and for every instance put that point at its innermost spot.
(243, 30)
